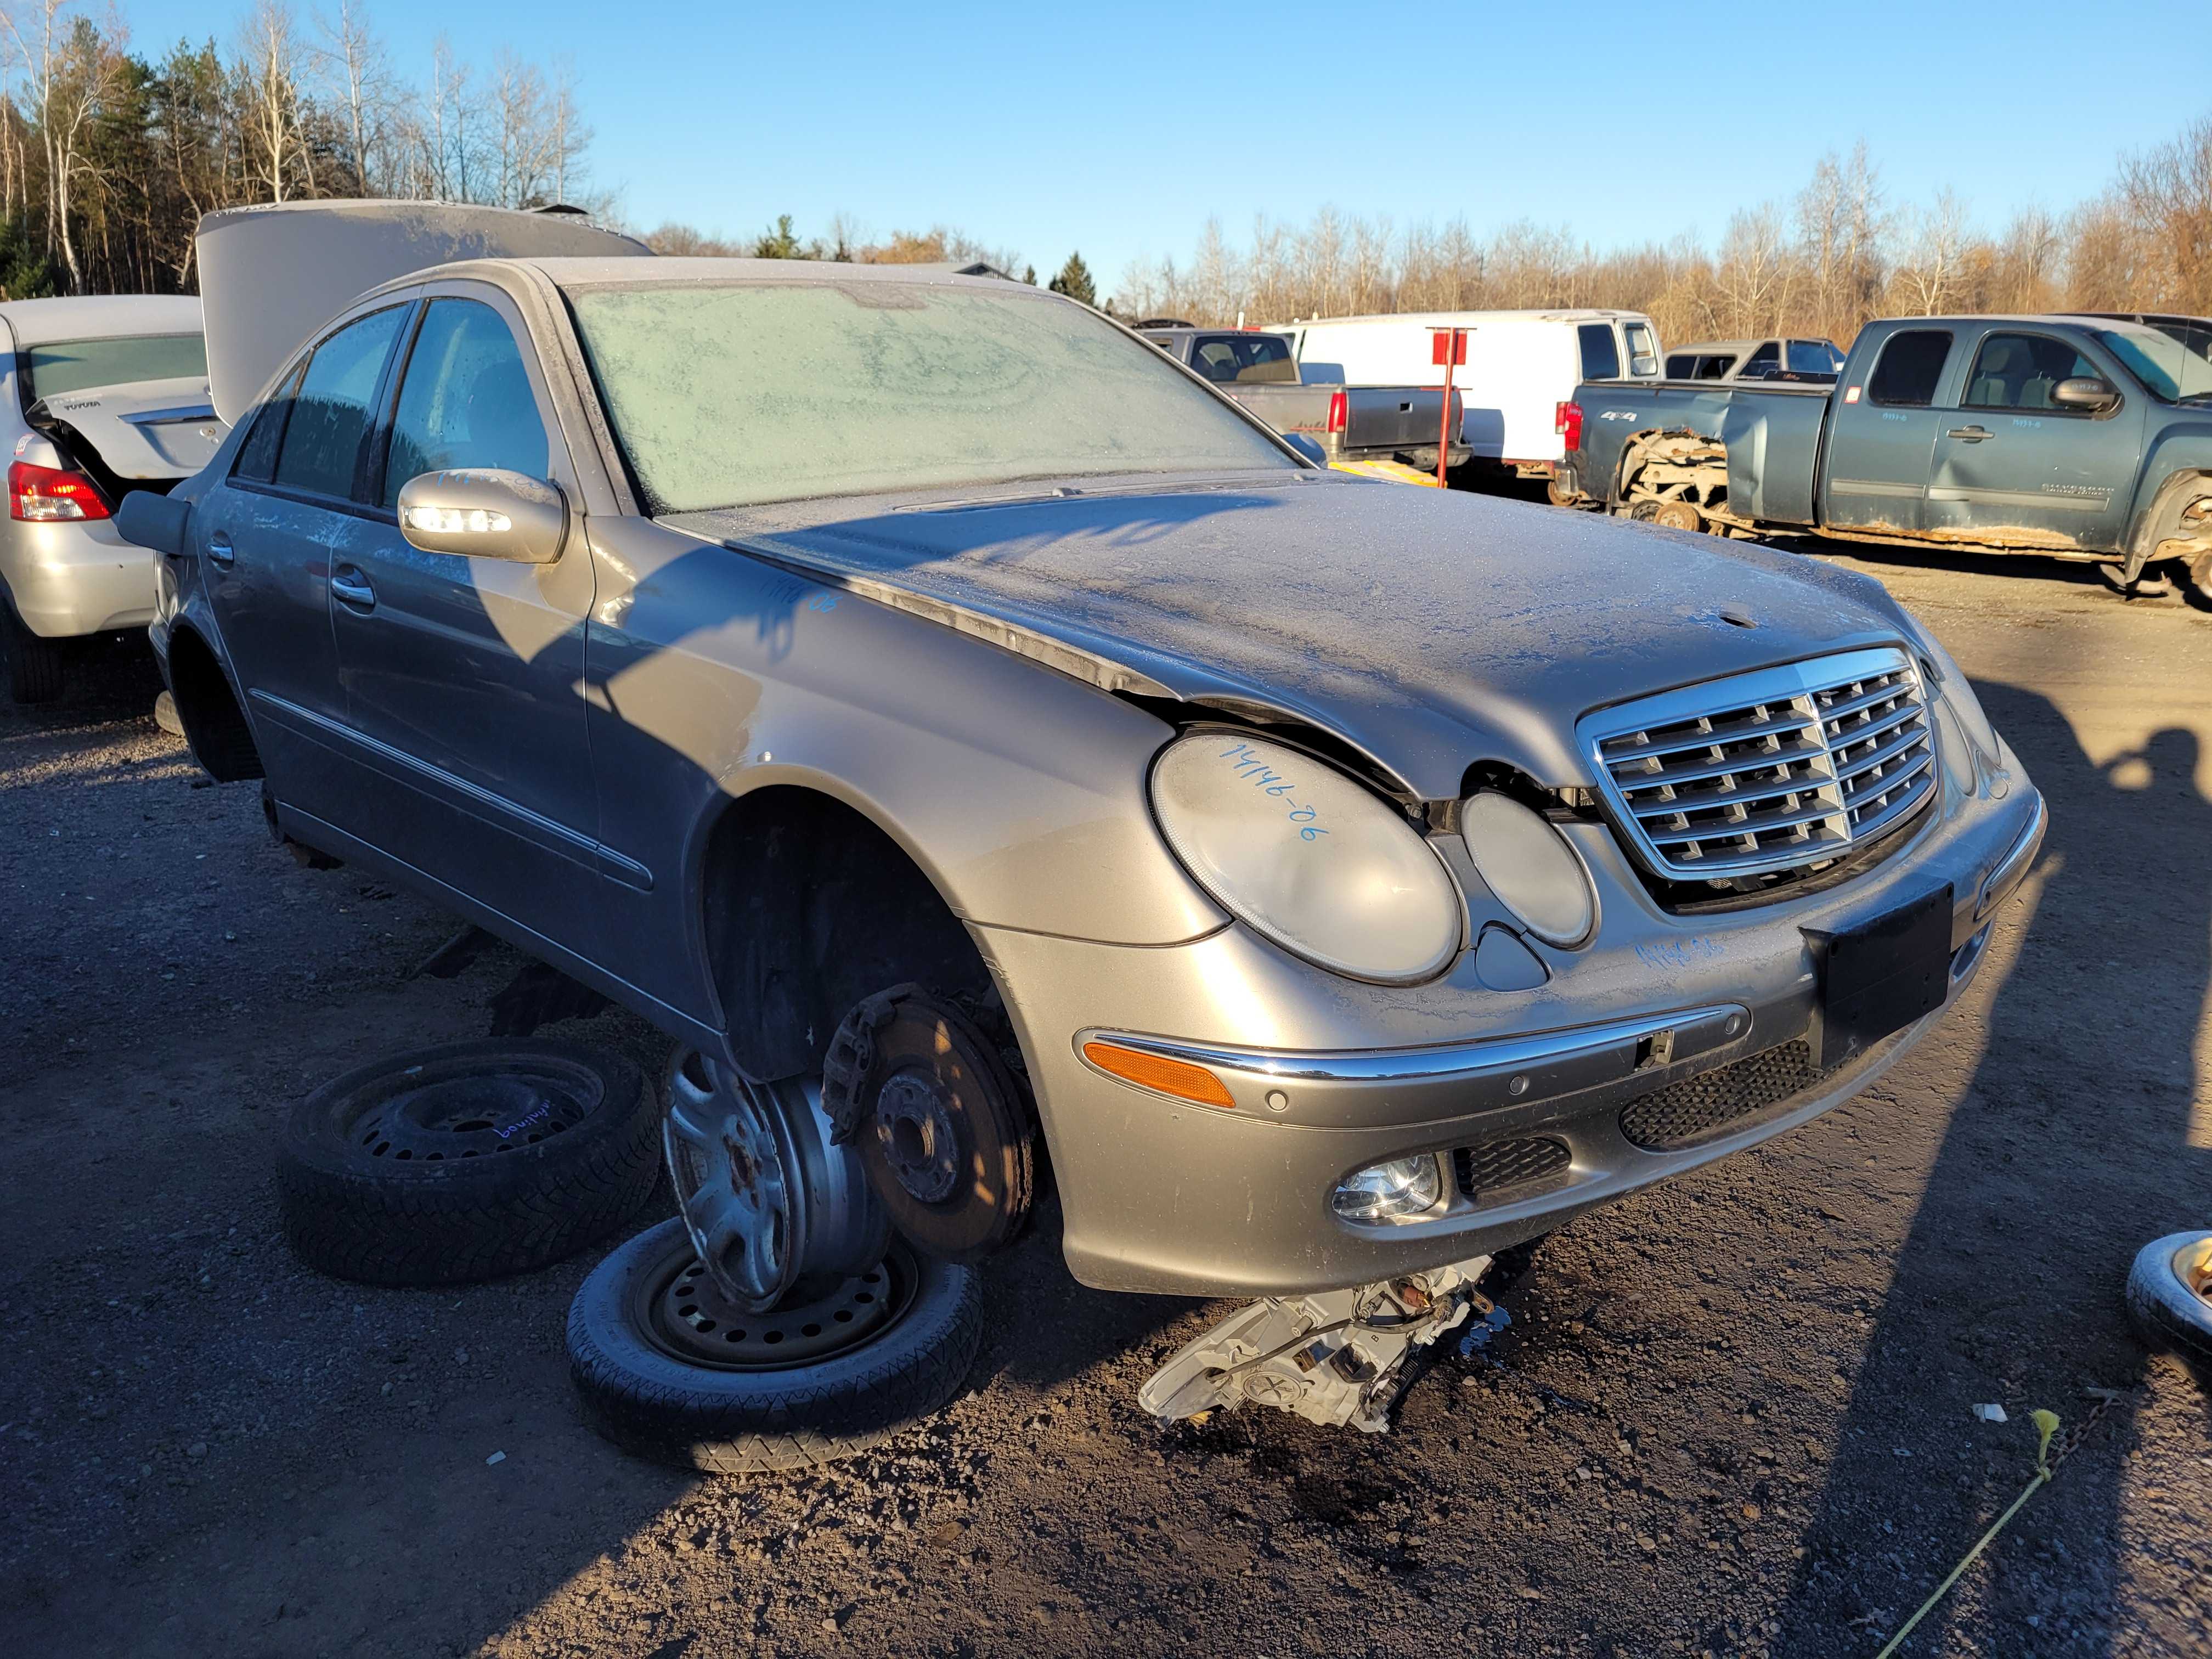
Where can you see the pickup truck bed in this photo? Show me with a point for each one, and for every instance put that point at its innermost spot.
(1355, 423)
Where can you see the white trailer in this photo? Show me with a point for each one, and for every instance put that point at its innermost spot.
(1522, 369)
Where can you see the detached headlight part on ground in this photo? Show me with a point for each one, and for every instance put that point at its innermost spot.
(1529, 867)
(1306, 856)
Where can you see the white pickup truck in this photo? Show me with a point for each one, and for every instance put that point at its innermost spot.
(1519, 379)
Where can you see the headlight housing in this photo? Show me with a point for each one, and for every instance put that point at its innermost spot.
(1951, 685)
(1529, 867)
(1302, 853)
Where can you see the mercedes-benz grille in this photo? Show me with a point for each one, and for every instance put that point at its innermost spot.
(1781, 769)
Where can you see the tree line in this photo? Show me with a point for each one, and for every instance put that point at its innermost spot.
(1825, 262)
(108, 156)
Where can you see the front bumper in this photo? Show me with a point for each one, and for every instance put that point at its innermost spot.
(69, 578)
(1329, 1076)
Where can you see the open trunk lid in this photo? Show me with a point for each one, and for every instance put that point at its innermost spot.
(270, 276)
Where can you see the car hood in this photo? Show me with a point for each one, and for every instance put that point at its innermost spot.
(1431, 629)
(146, 429)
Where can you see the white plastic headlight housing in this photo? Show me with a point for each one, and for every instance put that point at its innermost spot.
(1302, 853)
(1529, 867)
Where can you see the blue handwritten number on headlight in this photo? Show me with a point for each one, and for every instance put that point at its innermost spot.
(1255, 772)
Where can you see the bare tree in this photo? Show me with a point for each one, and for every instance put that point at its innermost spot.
(354, 64)
(69, 72)
(2168, 193)
(1930, 273)
(278, 157)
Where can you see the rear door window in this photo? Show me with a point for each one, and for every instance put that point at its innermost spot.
(257, 456)
(1601, 354)
(2017, 371)
(1814, 357)
(331, 411)
(1245, 359)
(1910, 368)
(1682, 366)
(465, 400)
(1763, 364)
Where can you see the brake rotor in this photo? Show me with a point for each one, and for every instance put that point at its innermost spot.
(944, 1131)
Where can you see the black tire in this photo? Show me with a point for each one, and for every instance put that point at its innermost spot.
(656, 1404)
(438, 1168)
(2166, 1289)
(34, 663)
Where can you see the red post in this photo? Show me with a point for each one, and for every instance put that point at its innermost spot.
(1450, 350)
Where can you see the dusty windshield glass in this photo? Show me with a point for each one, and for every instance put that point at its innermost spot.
(727, 395)
(2167, 368)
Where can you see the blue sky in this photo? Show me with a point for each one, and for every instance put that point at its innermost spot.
(1119, 129)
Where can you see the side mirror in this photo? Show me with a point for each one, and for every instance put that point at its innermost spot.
(2085, 391)
(1309, 448)
(484, 514)
(150, 519)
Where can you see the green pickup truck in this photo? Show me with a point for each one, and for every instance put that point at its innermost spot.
(2075, 437)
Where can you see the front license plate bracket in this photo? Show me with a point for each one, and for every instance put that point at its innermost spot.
(1881, 975)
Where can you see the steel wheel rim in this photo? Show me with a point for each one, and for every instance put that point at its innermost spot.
(447, 1110)
(679, 1311)
(735, 1172)
(767, 1196)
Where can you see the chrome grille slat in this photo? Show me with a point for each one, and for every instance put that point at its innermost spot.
(1779, 771)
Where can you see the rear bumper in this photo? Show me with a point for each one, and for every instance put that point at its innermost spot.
(1162, 1195)
(69, 579)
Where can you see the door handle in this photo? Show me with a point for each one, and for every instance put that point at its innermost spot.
(349, 587)
(1969, 434)
(221, 553)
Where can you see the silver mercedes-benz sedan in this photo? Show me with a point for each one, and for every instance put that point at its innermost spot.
(1347, 879)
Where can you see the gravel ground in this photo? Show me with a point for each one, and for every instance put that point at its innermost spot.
(1732, 1415)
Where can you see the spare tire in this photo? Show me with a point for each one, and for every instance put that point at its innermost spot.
(467, 1162)
(2168, 1289)
(669, 1373)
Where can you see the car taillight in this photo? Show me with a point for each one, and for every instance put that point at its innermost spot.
(1570, 424)
(1340, 411)
(43, 493)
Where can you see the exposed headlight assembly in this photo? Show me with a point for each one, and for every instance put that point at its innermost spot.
(1529, 867)
(1300, 853)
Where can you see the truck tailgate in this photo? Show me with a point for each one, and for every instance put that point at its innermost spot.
(1396, 417)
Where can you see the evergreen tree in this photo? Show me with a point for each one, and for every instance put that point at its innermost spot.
(779, 241)
(1074, 280)
(1028, 274)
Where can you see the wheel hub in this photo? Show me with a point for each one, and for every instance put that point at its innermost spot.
(433, 1117)
(768, 1200)
(914, 1121)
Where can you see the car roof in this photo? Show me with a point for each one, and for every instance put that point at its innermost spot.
(99, 316)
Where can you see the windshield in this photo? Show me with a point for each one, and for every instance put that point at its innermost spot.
(2167, 368)
(734, 395)
(67, 366)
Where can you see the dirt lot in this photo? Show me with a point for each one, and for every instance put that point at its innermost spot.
(1730, 1416)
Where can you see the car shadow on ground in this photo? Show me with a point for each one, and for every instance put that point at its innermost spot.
(2007, 1287)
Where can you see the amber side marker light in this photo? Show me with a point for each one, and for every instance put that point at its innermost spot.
(1163, 1075)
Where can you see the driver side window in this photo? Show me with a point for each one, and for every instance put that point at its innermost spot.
(465, 401)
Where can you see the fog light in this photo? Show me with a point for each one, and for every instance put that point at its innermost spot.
(1386, 1192)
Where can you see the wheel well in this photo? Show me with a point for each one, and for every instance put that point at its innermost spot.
(809, 908)
(214, 725)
